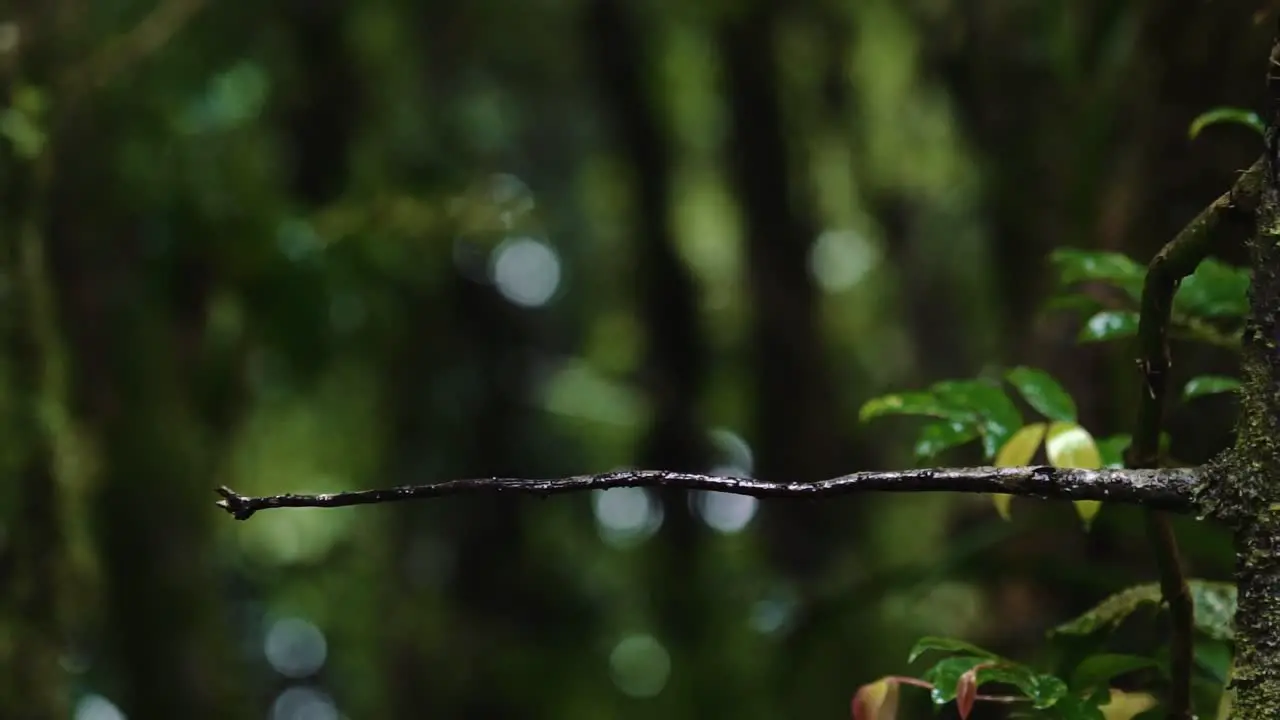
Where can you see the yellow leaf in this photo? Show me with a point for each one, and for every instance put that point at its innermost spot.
(1068, 445)
(1087, 510)
(1126, 706)
(1002, 503)
(877, 700)
(1018, 451)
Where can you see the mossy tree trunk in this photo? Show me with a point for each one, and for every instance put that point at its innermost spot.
(1245, 491)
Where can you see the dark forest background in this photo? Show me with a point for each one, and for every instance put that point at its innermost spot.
(312, 245)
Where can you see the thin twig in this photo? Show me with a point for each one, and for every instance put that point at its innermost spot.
(1175, 261)
(1169, 489)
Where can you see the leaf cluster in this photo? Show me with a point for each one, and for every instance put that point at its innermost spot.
(1080, 685)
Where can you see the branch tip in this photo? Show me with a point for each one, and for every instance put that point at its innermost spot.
(239, 506)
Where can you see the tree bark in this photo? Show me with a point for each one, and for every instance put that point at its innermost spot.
(1244, 492)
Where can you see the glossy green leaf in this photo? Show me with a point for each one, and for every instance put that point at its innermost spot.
(943, 435)
(948, 645)
(969, 407)
(1215, 289)
(1109, 325)
(999, 417)
(1043, 690)
(1098, 670)
(1043, 393)
(1075, 266)
(946, 674)
(1112, 450)
(1218, 116)
(1018, 451)
(910, 403)
(1209, 385)
(1215, 607)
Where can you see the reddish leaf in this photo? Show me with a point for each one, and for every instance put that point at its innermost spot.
(877, 700)
(967, 692)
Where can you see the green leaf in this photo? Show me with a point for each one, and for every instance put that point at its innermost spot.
(1109, 325)
(1043, 393)
(910, 403)
(1076, 708)
(945, 675)
(1043, 690)
(1214, 657)
(1214, 290)
(943, 435)
(1209, 385)
(950, 645)
(1208, 697)
(1082, 265)
(979, 405)
(999, 416)
(1112, 450)
(1098, 670)
(1215, 607)
(1216, 116)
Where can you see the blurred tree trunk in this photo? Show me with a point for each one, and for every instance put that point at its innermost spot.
(485, 434)
(797, 428)
(674, 369)
(322, 118)
(34, 559)
(461, 381)
(165, 649)
(797, 422)
(135, 322)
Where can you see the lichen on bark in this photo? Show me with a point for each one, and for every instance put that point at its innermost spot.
(1244, 492)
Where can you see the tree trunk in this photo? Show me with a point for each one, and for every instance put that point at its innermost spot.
(675, 359)
(1244, 492)
(34, 560)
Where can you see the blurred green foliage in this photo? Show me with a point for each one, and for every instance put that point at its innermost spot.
(320, 245)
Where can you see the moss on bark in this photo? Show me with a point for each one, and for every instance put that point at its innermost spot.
(1244, 491)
